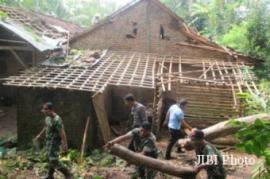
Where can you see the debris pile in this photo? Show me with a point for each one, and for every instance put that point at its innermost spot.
(76, 59)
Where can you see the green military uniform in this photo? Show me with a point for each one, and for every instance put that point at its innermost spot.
(148, 147)
(216, 170)
(54, 126)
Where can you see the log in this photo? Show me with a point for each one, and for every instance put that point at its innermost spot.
(223, 129)
(228, 140)
(141, 160)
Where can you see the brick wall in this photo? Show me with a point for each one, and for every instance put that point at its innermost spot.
(150, 17)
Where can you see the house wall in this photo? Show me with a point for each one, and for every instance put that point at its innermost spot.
(113, 35)
(73, 106)
(207, 105)
(149, 16)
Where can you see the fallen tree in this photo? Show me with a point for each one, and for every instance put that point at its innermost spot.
(141, 160)
(225, 128)
(218, 130)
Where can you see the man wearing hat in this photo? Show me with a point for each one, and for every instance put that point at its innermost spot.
(145, 144)
(208, 157)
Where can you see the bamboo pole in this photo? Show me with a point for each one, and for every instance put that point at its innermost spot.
(84, 138)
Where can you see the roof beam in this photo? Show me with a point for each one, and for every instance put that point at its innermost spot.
(19, 48)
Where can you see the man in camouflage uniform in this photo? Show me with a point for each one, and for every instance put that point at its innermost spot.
(145, 144)
(138, 113)
(208, 157)
(55, 134)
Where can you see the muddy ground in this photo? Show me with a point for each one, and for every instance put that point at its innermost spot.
(114, 169)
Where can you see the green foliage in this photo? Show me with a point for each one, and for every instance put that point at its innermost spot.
(238, 33)
(3, 15)
(254, 104)
(255, 137)
(255, 140)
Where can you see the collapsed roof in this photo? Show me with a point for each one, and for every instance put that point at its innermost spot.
(42, 32)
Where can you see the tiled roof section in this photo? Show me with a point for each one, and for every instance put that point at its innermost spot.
(72, 28)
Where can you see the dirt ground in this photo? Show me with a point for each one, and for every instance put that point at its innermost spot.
(8, 129)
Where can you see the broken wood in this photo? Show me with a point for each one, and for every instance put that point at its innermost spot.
(225, 128)
(141, 160)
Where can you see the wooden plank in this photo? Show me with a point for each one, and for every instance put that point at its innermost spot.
(208, 69)
(125, 69)
(204, 69)
(212, 71)
(219, 70)
(98, 102)
(101, 76)
(170, 71)
(251, 79)
(145, 70)
(180, 68)
(136, 69)
(161, 71)
(236, 79)
(19, 48)
(12, 41)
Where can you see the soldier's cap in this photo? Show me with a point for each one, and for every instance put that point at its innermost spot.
(197, 135)
(147, 126)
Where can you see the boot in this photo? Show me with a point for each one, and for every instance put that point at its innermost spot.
(50, 174)
(66, 173)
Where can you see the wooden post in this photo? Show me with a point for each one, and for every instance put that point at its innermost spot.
(98, 101)
(84, 138)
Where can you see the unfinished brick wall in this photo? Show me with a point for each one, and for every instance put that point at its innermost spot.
(149, 18)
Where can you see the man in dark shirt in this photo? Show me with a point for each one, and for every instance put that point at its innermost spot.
(145, 144)
(208, 157)
(138, 113)
(55, 135)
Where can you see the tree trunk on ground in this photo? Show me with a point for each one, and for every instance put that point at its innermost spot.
(227, 140)
(141, 160)
(224, 128)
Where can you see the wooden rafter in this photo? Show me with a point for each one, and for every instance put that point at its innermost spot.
(18, 58)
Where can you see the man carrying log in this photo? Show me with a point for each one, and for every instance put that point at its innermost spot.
(144, 143)
(138, 113)
(55, 134)
(175, 120)
(208, 157)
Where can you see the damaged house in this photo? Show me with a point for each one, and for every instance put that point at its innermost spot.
(143, 48)
(27, 38)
